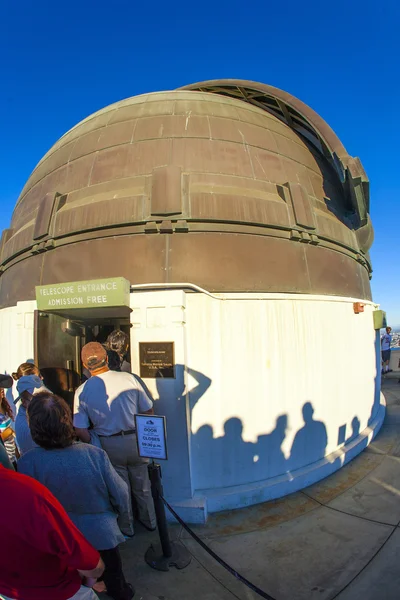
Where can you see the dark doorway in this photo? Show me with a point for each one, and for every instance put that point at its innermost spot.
(58, 343)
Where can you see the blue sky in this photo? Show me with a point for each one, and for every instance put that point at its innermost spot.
(62, 61)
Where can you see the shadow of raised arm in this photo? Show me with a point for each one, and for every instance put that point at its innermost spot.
(203, 383)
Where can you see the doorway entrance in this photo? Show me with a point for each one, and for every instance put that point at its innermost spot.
(58, 342)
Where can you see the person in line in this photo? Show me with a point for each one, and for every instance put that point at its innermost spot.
(4, 460)
(43, 556)
(386, 342)
(27, 368)
(83, 480)
(7, 428)
(117, 346)
(109, 401)
(114, 364)
(27, 386)
(118, 342)
(5, 382)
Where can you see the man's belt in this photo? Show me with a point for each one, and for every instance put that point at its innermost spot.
(127, 432)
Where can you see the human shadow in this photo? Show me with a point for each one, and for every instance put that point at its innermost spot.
(179, 385)
(230, 460)
(235, 455)
(310, 442)
(245, 461)
(176, 400)
(222, 461)
(355, 430)
(270, 461)
(377, 380)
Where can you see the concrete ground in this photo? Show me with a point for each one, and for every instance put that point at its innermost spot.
(339, 538)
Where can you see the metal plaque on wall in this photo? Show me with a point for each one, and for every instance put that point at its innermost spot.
(157, 359)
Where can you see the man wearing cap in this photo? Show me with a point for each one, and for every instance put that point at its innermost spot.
(108, 401)
(27, 386)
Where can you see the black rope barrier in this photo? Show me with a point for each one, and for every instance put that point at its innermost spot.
(231, 570)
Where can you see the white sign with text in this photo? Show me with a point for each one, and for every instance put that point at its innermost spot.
(151, 436)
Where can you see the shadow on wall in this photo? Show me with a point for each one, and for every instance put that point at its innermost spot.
(229, 460)
(202, 384)
(378, 366)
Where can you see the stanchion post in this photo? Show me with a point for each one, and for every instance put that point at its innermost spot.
(157, 492)
(167, 554)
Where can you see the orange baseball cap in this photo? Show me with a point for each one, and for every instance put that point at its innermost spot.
(94, 355)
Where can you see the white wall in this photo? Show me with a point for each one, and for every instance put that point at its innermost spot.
(160, 317)
(267, 358)
(251, 363)
(245, 369)
(17, 338)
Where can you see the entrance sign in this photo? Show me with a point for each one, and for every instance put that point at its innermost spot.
(157, 360)
(94, 293)
(151, 436)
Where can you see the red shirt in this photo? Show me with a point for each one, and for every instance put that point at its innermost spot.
(40, 547)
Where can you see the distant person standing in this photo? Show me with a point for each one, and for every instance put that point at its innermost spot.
(386, 341)
(109, 401)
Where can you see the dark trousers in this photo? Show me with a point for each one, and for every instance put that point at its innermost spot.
(113, 575)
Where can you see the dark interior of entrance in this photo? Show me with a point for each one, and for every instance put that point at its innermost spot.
(58, 343)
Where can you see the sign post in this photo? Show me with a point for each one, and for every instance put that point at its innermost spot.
(151, 434)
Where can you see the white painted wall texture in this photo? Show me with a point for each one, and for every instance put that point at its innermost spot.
(273, 392)
(16, 325)
(269, 360)
(279, 390)
(17, 337)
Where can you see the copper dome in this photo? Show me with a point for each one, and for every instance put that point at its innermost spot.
(230, 185)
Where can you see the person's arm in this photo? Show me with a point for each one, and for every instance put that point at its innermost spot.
(90, 580)
(81, 419)
(145, 404)
(203, 383)
(144, 386)
(119, 494)
(83, 434)
(93, 573)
